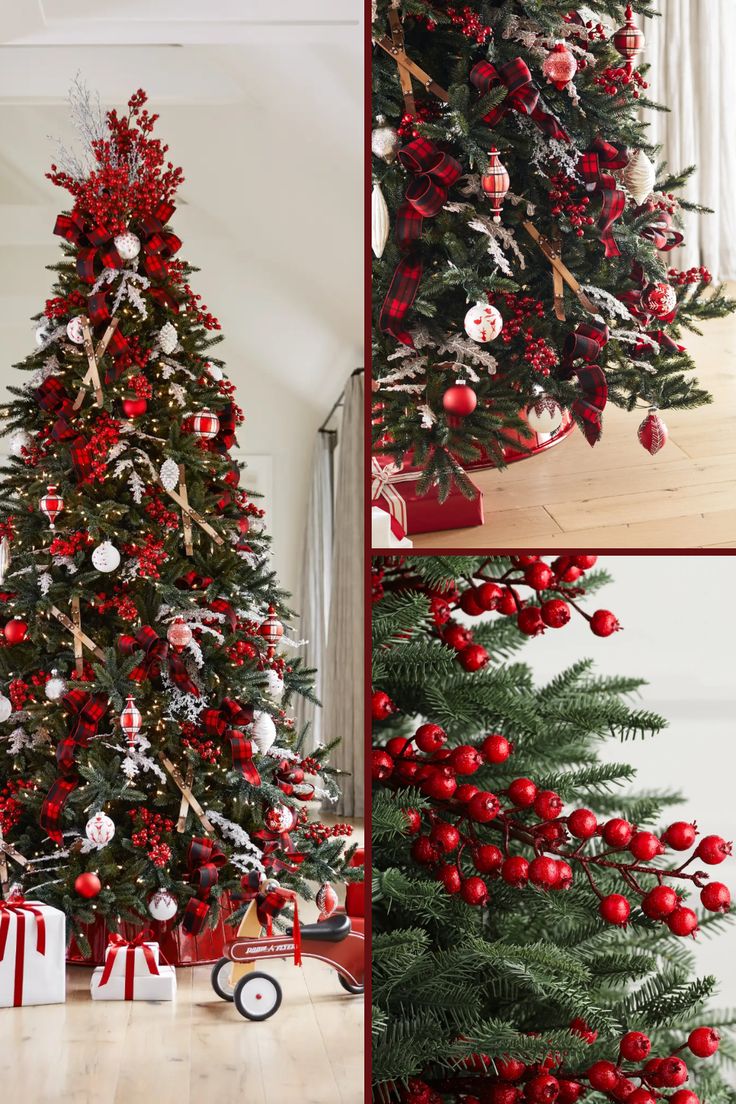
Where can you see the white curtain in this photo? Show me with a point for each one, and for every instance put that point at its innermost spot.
(316, 578)
(693, 73)
(343, 684)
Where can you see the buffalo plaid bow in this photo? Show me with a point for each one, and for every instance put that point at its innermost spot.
(52, 396)
(275, 846)
(522, 95)
(220, 722)
(156, 652)
(87, 711)
(586, 343)
(95, 243)
(225, 438)
(204, 860)
(158, 244)
(596, 165)
(434, 173)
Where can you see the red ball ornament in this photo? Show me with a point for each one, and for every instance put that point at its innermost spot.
(660, 300)
(495, 183)
(205, 425)
(653, 432)
(87, 885)
(15, 631)
(560, 66)
(459, 400)
(133, 408)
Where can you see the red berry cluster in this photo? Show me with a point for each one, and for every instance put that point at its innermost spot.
(426, 112)
(70, 545)
(616, 81)
(517, 311)
(139, 385)
(540, 355)
(699, 275)
(177, 276)
(316, 832)
(11, 810)
(19, 692)
(310, 765)
(150, 555)
(7, 528)
(470, 24)
(241, 652)
(158, 511)
(589, 30)
(564, 200)
(149, 836)
(205, 749)
(60, 306)
(121, 601)
(105, 435)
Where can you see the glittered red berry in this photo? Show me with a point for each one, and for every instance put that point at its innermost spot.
(542, 1089)
(466, 759)
(582, 824)
(413, 821)
(615, 909)
(543, 872)
(539, 576)
(585, 562)
(641, 1096)
(713, 850)
(464, 792)
(469, 603)
(548, 804)
(570, 1091)
(555, 613)
(603, 1076)
(623, 1089)
(408, 771)
(522, 792)
(399, 747)
(583, 1030)
(672, 1072)
(617, 832)
(487, 858)
(635, 1046)
(382, 765)
(499, 1093)
(445, 836)
(489, 595)
(651, 1072)
(450, 877)
(496, 748)
(659, 902)
(529, 621)
(515, 870)
(704, 1041)
(682, 921)
(474, 891)
(564, 875)
(604, 623)
(473, 657)
(510, 1069)
(523, 559)
(680, 836)
(424, 851)
(483, 806)
(440, 784)
(381, 706)
(457, 637)
(507, 603)
(430, 738)
(716, 897)
(645, 845)
(684, 1096)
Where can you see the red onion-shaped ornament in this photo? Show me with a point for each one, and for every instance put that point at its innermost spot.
(52, 504)
(131, 720)
(629, 40)
(206, 425)
(653, 433)
(179, 634)
(459, 400)
(272, 629)
(560, 66)
(496, 182)
(326, 901)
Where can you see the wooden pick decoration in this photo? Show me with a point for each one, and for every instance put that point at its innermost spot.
(181, 823)
(189, 514)
(187, 792)
(94, 356)
(394, 47)
(80, 637)
(8, 849)
(185, 518)
(552, 249)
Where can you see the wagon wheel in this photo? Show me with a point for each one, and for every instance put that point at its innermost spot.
(257, 996)
(220, 976)
(348, 985)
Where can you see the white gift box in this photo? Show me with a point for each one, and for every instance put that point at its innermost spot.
(28, 976)
(153, 987)
(140, 962)
(386, 532)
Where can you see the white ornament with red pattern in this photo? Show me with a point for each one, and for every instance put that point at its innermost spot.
(263, 731)
(131, 720)
(206, 425)
(326, 901)
(483, 323)
(629, 40)
(495, 183)
(272, 629)
(560, 66)
(106, 557)
(660, 300)
(99, 829)
(163, 905)
(52, 504)
(280, 818)
(128, 245)
(178, 634)
(544, 415)
(653, 433)
(74, 330)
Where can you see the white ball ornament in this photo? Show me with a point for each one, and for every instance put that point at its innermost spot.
(19, 439)
(280, 818)
(6, 708)
(215, 372)
(168, 338)
(99, 830)
(274, 685)
(56, 687)
(106, 557)
(127, 245)
(42, 333)
(263, 731)
(483, 323)
(544, 415)
(163, 905)
(74, 331)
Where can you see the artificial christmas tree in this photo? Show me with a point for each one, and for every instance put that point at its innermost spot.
(529, 910)
(522, 234)
(148, 760)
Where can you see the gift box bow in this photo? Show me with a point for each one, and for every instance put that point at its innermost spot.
(117, 944)
(383, 485)
(20, 908)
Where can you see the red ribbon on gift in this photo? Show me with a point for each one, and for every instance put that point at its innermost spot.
(596, 166)
(204, 860)
(434, 173)
(87, 711)
(116, 943)
(20, 908)
(220, 722)
(522, 95)
(586, 343)
(156, 652)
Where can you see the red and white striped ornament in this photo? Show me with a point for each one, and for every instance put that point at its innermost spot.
(629, 40)
(326, 901)
(52, 504)
(560, 66)
(653, 433)
(179, 634)
(496, 182)
(206, 425)
(131, 720)
(272, 629)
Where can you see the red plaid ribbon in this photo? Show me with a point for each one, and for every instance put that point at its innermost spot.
(158, 244)
(204, 860)
(193, 581)
(634, 301)
(661, 233)
(274, 846)
(522, 95)
(225, 438)
(95, 242)
(116, 944)
(434, 174)
(644, 348)
(220, 722)
(219, 605)
(586, 343)
(156, 652)
(596, 165)
(52, 396)
(87, 710)
(20, 908)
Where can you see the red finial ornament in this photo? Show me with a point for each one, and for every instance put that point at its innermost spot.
(496, 182)
(629, 40)
(653, 432)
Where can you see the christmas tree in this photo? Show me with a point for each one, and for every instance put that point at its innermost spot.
(148, 757)
(530, 911)
(521, 233)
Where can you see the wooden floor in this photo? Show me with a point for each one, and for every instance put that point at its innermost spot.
(195, 1050)
(616, 495)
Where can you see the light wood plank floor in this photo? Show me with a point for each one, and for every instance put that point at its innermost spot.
(194, 1050)
(616, 495)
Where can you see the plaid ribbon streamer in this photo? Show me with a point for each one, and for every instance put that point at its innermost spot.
(94, 242)
(522, 95)
(157, 243)
(225, 438)
(662, 234)
(193, 581)
(644, 348)
(434, 173)
(634, 300)
(586, 343)
(596, 165)
(221, 606)
(52, 396)
(220, 722)
(204, 860)
(87, 711)
(275, 844)
(156, 652)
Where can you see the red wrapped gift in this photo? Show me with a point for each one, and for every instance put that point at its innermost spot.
(394, 488)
